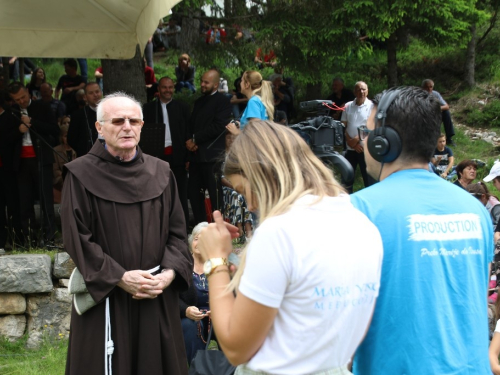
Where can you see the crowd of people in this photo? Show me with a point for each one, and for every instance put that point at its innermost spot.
(387, 301)
(64, 128)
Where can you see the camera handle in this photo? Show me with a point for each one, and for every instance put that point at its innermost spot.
(345, 168)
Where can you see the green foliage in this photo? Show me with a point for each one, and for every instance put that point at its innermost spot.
(437, 24)
(487, 62)
(420, 60)
(488, 116)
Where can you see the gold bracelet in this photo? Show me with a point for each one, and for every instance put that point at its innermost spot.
(218, 271)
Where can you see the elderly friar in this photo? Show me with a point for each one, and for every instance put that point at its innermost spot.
(124, 227)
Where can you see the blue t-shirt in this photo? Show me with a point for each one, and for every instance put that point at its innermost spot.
(255, 109)
(430, 316)
(440, 98)
(445, 155)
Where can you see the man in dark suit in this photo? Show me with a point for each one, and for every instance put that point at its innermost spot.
(206, 143)
(82, 132)
(34, 118)
(9, 197)
(174, 115)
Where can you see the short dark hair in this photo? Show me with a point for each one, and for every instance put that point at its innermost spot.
(166, 78)
(415, 115)
(71, 63)
(464, 164)
(15, 87)
(338, 79)
(90, 84)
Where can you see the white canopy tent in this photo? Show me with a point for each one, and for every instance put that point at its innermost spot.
(108, 29)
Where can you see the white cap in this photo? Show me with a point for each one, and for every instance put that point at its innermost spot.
(495, 172)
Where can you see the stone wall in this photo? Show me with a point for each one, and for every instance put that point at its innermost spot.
(34, 298)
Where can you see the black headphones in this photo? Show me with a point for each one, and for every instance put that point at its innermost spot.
(384, 143)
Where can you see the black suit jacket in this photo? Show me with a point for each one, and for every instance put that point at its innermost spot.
(178, 117)
(44, 123)
(7, 123)
(211, 114)
(82, 133)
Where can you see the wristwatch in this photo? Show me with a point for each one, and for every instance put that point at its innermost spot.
(213, 263)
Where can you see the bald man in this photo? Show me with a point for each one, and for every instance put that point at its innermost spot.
(206, 143)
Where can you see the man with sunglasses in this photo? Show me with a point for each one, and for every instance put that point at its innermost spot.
(431, 313)
(123, 225)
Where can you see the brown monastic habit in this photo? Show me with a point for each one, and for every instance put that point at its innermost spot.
(116, 217)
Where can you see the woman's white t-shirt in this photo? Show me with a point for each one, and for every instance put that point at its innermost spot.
(319, 265)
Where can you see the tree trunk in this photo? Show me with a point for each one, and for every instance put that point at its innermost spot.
(239, 9)
(228, 8)
(470, 58)
(6, 72)
(190, 32)
(392, 62)
(125, 75)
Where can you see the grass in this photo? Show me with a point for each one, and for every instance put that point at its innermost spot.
(50, 253)
(50, 359)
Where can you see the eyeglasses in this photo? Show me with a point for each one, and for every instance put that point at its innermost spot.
(120, 121)
(363, 132)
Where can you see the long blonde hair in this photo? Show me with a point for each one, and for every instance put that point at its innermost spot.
(280, 168)
(262, 89)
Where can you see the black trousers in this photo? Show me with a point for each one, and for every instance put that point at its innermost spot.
(180, 174)
(448, 125)
(28, 181)
(202, 176)
(10, 225)
(355, 159)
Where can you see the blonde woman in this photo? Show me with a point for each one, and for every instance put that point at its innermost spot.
(261, 103)
(184, 74)
(193, 303)
(307, 282)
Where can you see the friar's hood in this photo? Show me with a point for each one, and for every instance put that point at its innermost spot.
(139, 180)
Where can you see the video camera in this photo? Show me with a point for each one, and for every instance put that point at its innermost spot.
(322, 133)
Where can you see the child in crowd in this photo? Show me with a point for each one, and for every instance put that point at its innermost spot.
(443, 157)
